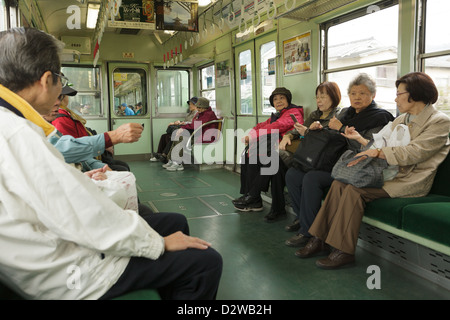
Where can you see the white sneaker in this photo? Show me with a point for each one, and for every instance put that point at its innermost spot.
(168, 164)
(153, 159)
(175, 167)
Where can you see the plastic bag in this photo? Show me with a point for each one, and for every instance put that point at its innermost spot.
(387, 137)
(120, 186)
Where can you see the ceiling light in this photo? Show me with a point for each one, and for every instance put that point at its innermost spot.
(203, 3)
(92, 15)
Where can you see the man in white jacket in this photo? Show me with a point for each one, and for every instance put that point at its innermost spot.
(61, 237)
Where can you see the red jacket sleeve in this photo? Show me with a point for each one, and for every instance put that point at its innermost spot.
(283, 124)
(199, 120)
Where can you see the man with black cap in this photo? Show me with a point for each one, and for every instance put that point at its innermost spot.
(84, 150)
(68, 122)
(261, 142)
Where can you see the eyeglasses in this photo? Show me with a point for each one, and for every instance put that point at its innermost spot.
(400, 93)
(64, 80)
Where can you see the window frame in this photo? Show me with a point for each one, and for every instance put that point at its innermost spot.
(390, 65)
(143, 93)
(177, 110)
(102, 113)
(422, 56)
(200, 83)
(324, 27)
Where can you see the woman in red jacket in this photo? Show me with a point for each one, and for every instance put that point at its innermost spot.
(257, 166)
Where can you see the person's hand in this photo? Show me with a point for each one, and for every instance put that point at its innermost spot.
(335, 124)
(179, 241)
(316, 125)
(286, 141)
(126, 133)
(300, 128)
(351, 133)
(98, 174)
(373, 153)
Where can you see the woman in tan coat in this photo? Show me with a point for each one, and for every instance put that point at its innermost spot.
(338, 221)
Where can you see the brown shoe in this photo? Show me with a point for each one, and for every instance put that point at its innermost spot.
(313, 247)
(335, 260)
(298, 240)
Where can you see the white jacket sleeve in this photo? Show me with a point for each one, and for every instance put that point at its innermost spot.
(69, 204)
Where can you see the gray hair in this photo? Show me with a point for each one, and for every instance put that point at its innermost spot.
(365, 80)
(25, 55)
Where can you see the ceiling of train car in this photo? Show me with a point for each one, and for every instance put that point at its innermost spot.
(55, 16)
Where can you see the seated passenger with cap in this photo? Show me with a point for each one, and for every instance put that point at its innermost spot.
(83, 150)
(204, 114)
(68, 122)
(165, 141)
(263, 141)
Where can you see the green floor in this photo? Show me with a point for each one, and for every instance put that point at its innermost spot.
(257, 264)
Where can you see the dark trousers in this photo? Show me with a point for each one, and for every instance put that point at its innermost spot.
(181, 275)
(253, 182)
(307, 190)
(164, 144)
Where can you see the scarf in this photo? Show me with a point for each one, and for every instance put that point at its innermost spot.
(20, 107)
(370, 117)
(74, 115)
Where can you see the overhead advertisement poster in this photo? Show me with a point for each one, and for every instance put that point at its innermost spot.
(176, 15)
(135, 14)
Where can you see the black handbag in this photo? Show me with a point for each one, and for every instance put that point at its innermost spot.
(319, 150)
(173, 127)
(368, 173)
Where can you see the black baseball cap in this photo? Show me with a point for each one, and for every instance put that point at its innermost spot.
(69, 91)
(193, 100)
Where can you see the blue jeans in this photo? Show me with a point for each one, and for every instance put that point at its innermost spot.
(307, 190)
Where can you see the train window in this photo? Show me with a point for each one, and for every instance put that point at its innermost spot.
(435, 48)
(359, 43)
(3, 25)
(245, 67)
(10, 15)
(268, 52)
(173, 90)
(130, 91)
(208, 84)
(86, 80)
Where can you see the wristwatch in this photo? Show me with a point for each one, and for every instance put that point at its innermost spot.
(379, 150)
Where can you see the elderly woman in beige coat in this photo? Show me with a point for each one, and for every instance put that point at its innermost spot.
(338, 221)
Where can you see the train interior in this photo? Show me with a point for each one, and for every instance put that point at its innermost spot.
(235, 53)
